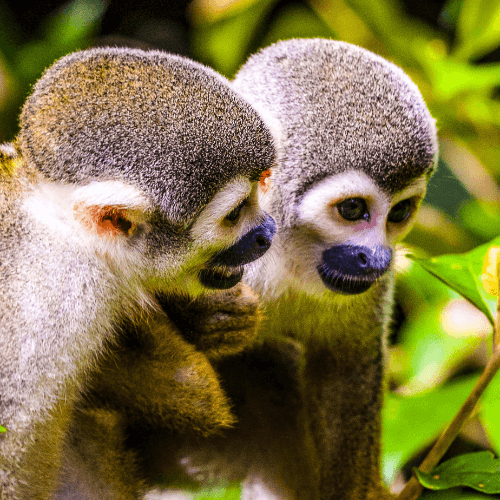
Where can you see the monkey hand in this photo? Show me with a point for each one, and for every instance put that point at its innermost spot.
(218, 324)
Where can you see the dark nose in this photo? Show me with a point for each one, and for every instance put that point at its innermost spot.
(358, 260)
(249, 247)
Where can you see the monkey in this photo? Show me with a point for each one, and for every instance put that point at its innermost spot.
(134, 173)
(356, 148)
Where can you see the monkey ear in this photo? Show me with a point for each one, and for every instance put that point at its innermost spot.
(109, 209)
(104, 221)
(265, 182)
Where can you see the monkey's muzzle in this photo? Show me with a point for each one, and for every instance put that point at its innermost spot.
(225, 268)
(352, 269)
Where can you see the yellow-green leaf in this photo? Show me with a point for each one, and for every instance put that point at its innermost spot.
(462, 273)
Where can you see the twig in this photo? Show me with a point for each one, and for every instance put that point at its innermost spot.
(413, 488)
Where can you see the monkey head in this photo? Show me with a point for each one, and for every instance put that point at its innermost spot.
(356, 147)
(151, 161)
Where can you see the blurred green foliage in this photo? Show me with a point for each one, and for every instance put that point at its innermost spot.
(22, 62)
(442, 341)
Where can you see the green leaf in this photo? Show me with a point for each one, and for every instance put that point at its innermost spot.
(2, 429)
(454, 494)
(462, 272)
(456, 272)
(419, 419)
(480, 471)
(478, 28)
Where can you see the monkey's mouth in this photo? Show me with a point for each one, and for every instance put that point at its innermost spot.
(221, 278)
(346, 284)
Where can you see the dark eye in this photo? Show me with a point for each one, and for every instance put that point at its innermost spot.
(233, 215)
(353, 209)
(400, 212)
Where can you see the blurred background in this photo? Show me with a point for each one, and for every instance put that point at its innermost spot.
(451, 49)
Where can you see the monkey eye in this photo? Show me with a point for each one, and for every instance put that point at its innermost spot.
(353, 209)
(400, 212)
(233, 215)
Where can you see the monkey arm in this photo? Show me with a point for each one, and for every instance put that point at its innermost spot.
(151, 377)
(160, 371)
(156, 376)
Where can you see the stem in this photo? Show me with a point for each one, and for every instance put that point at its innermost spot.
(413, 488)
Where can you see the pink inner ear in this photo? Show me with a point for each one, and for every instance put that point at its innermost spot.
(104, 221)
(265, 181)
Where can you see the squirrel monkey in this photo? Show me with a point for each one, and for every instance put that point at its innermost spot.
(356, 148)
(134, 173)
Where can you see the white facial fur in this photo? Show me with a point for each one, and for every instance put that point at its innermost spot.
(291, 263)
(74, 213)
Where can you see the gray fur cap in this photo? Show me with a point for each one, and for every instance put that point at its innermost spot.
(339, 107)
(163, 123)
